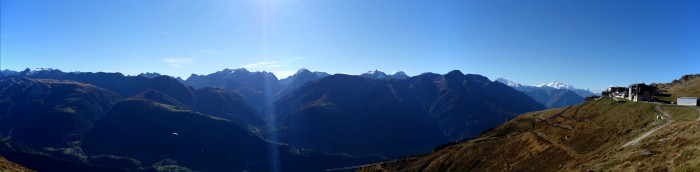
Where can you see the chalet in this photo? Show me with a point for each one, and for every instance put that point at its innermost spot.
(688, 101)
(640, 92)
(620, 92)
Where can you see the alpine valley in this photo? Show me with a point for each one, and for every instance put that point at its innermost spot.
(600, 134)
(238, 120)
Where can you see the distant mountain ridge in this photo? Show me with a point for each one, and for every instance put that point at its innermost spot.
(376, 74)
(50, 113)
(552, 95)
(259, 89)
(53, 118)
(235, 74)
(602, 134)
(164, 89)
(256, 88)
(550, 85)
(404, 115)
(348, 118)
(301, 77)
(6, 72)
(557, 85)
(150, 75)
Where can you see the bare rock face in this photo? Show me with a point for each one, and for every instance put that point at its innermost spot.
(685, 78)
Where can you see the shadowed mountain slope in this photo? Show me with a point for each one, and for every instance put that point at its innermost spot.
(536, 140)
(50, 113)
(552, 95)
(164, 89)
(125, 86)
(151, 132)
(602, 134)
(228, 105)
(395, 117)
(300, 78)
(555, 98)
(256, 88)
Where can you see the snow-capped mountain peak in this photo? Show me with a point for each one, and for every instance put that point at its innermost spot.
(508, 82)
(375, 74)
(150, 75)
(552, 85)
(241, 70)
(29, 72)
(306, 72)
(557, 85)
(42, 69)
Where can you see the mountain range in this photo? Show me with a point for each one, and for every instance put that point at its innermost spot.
(375, 74)
(308, 121)
(238, 120)
(60, 124)
(552, 85)
(412, 114)
(603, 134)
(552, 95)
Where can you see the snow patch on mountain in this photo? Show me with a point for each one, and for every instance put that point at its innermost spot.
(149, 75)
(375, 74)
(552, 85)
(508, 82)
(557, 85)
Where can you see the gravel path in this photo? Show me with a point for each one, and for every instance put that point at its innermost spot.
(660, 109)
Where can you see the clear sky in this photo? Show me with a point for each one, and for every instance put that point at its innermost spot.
(588, 43)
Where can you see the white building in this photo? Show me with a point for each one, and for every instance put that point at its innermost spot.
(688, 101)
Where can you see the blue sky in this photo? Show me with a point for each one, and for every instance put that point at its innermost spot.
(589, 44)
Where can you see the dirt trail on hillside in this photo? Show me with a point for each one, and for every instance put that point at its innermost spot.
(571, 152)
(659, 109)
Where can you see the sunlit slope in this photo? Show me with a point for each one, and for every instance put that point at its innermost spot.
(574, 138)
(675, 147)
(686, 86)
(6, 165)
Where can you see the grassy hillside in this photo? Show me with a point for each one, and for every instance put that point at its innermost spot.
(675, 147)
(6, 165)
(686, 86)
(584, 137)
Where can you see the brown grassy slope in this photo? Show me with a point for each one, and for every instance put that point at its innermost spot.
(9, 166)
(675, 147)
(550, 140)
(686, 86)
